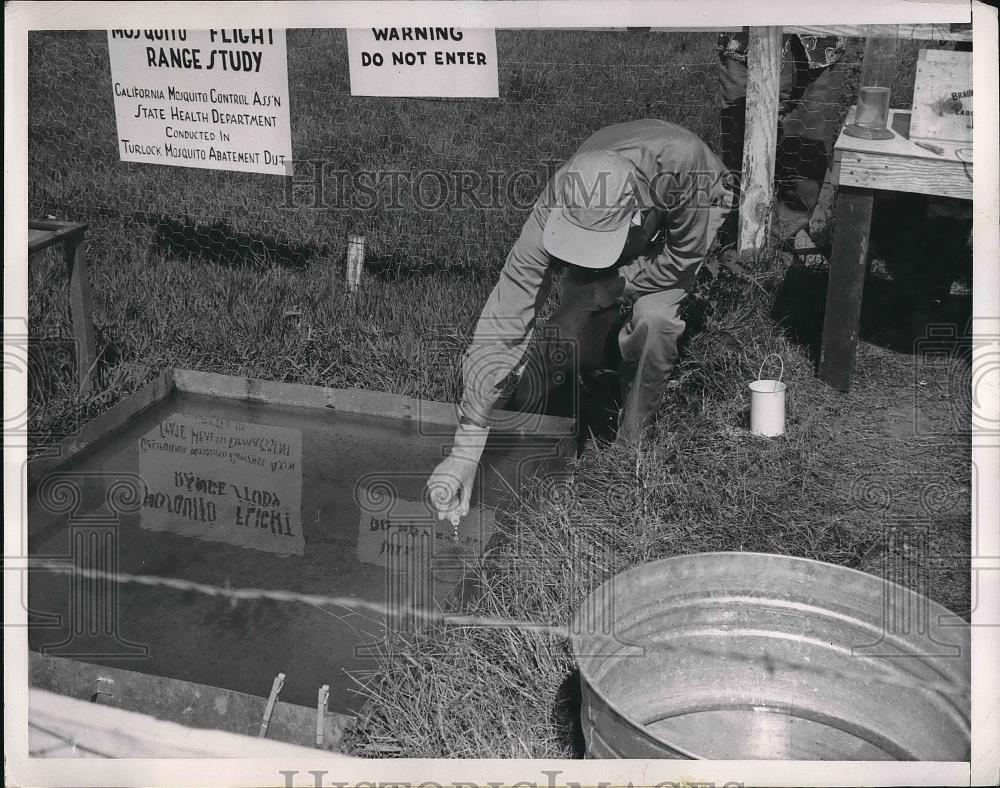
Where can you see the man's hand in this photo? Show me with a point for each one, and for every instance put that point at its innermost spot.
(451, 483)
(451, 487)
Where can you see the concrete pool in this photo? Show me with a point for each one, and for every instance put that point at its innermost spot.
(227, 482)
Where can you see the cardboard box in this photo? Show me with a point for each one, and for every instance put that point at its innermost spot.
(942, 96)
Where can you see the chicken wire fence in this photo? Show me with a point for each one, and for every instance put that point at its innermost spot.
(432, 184)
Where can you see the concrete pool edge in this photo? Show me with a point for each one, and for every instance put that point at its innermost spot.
(194, 705)
(440, 418)
(181, 390)
(94, 431)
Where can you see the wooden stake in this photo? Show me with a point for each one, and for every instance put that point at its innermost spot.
(102, 686)
(279, 682)
(355, 261)
(81, 308)
(321, 704)
(760, 139)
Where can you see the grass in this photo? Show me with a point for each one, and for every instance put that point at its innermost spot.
(209, 270)
(701, 483)
(262, 321)
(554, 90)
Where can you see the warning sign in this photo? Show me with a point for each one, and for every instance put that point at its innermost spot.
(214, 99)
(423, 61)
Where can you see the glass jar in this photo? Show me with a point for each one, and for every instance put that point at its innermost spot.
(871, 116)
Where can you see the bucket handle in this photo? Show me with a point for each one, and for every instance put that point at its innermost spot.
(781, 361)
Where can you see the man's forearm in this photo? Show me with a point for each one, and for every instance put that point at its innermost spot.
(486, 370)
(503, 331)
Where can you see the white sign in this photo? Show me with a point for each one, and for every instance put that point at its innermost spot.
(214, 99)
(224, 481)
(423, 61)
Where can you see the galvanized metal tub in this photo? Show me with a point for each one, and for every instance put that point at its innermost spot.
(757, 656)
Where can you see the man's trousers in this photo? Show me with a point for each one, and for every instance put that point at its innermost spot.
(576, 337)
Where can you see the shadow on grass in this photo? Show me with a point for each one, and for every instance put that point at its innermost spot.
(220, 243)
(920, 246)
(889, 318)
(399, 267)
(566, 713)
(594, 403)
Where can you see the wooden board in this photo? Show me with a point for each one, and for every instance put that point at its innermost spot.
(173, 700)
(901, 165)
(61, 727)
(942, 96)
(81, 309)
(893, 173)
(917, 32)
(42, 234)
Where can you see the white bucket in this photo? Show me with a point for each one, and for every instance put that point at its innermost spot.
(767, 403)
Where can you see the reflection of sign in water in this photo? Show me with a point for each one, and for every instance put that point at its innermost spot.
(225, 481)
(395, 532)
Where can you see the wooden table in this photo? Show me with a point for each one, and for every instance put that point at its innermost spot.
(72, 236)
(860, 167)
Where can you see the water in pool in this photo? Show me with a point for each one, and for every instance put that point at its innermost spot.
(228, 493)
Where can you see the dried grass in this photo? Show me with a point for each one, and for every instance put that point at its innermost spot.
(701, 482)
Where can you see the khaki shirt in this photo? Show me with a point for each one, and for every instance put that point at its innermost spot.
(685, 187)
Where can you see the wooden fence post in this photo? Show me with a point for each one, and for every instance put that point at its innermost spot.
(760, 139)
(842, 317)
(355, 261)
(81, 309)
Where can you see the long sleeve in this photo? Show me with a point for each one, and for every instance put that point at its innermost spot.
(691, 199)
(504, 329)
(695, 201)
